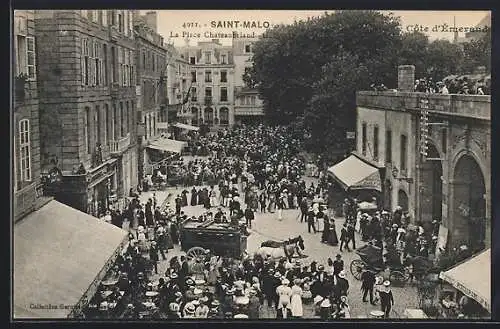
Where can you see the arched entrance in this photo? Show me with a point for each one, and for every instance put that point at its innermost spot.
(224, 115)
(431, 190)
(209, 116)
(195, 115)
(469, 203)
(403, 200)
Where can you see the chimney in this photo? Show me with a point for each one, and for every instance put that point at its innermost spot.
(151, 20)
(406, 78)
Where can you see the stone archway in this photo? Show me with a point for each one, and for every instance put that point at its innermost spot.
(431, 189)
(403, 200)
(469, 204)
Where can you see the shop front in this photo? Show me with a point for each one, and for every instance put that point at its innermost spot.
(102, 188)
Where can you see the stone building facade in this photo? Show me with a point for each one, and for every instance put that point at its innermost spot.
(86, 69)
(151, 59)
(248, 105)
(212, 80)
(25, 112)
(451, 183)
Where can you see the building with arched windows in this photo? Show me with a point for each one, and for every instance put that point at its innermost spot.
(449, 178)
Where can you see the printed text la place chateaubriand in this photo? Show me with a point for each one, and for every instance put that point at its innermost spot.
(220, 25)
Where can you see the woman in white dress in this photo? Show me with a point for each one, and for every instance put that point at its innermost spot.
(284, 292)
(296, 300)
(357, 226)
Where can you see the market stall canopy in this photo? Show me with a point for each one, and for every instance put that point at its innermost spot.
(353, 173)
(60, 255)
(185, 126)
(473, 278)
(169, 145)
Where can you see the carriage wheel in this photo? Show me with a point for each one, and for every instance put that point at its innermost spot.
(399, 277)
(195, 253)
(357, 268)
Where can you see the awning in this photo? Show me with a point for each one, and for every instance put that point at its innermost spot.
(169, 145)
(60, 256)
(473, 278)
(185, 126)
(354, 173)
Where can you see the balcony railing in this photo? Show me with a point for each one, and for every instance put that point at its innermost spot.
(119, 146)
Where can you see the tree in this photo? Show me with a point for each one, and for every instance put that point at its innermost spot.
(331, 111)
(249, 77)
(413, 51)
(477, 53)
(443, 58)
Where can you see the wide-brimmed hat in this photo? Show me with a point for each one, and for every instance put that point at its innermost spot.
(317, 299)
(326, 303)
(342, 274)
(387, 283)
(215, 303)
(277, 275)
(174, 275)
(174, 307)
(395, 225)
(338, 256)
(178, 294)
(321, 268)
(252, 292)
(379, 280)
(197, 291)
(285, 282)
(190, 308)
(241, 316)
(204, 299)
(189, 282)
(343, 299)
(230, 291)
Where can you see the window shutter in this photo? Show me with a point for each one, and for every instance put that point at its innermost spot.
(125, 22)
(131, 23)
(82, 61)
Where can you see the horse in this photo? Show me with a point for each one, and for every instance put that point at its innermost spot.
(287, 248)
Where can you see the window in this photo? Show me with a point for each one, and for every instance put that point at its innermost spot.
(223, 59)
(403, 154)
(223, 94)
(247, 48)
(97, 125)
(208, 76)
(122, 123)
(375, 143)
(120, 21)
(104, 14)
(388, 146)
(95, 16)
(208, 92)
(192, 60)
(86, 132)
(194, 96)
(105, 65)
(113, 65)
(26, 56)
(223, 76)
(208, 58)
(363, 138)
(97, 64)
(153, 61)
(154, 125)
(252, 100)
(132, 68)
(193, 76)
(115, 123)
(224, 115)
(107, 130)
(129, 116)
(25, 149)
(113, 17)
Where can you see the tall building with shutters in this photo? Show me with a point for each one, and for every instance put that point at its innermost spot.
(25, 134)
(87, 94)
(211, 98)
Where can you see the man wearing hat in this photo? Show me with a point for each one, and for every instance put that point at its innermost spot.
(202, 309)
(173, 311)
(386, 298)
(367, 284)
(342, 286)
(215, 310)
(188, 311)
(338, 264)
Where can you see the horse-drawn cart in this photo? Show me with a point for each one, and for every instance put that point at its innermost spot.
(221, 239)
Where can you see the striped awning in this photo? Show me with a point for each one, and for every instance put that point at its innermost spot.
(60, 256)
(185, 126)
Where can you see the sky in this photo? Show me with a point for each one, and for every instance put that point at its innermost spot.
(175, 25)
